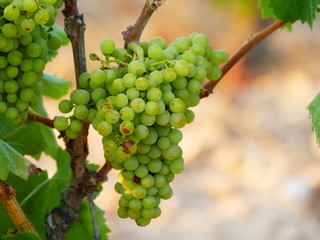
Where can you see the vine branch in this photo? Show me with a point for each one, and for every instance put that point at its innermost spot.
(38, 118)
(9, 201)
(133, 33)
(248, 45)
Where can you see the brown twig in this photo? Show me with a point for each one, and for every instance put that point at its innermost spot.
(103, 172)
(250, 43)
(9, 201)
(61, 218)
(38, 118)
(96, 232)
(133, 33)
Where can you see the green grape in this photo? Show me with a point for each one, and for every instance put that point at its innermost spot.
(194, 86)
(126, 114)
(215, 73)
(80, 112)
(109, 147)
(30, 5)
(182, 68)
(180, 83)
(134, 215)
(12, 113)
(41, 16)
(21, 105)
(26, 65)
(143, 158)
(164, 170)
(141, 131)
(80, 97)
(165, 192)
(154, 94)
(11, 86)
(111, 116)
(76, 126)
(33, 50)
(38, 65)
(155, 165)
(92, 113)
(147, 181)
(173, 152)
(84, 80)
(163, 119)
(3, 107)
(122, 213)
(107, 46)
(13, 71)
(194, 99)
(98, 93)
(135, 205)
(12, 97)
(131, 164)
(119, 188)
(137, 105)
(141, 83)
(159, 41)
(60, 123)
(155, 52)
(152, 191)
(170, 74)
(117, 86)
(123, 202)
(177, 105)
(129, 80)
(11, 12)
(143, 148)
(120, 54)
(132, 93)
(198, 49)
(182, 44)
(182, 93)
(162, 131)
(14, 58)
(126, 127)
(139, 192)
(136, 68)
(121, 100)
(104, 128)
(65, 106)
(189, 115)
(147, 119)
(163, 143)
(151, 108)
(141, 171)
(218, 56)
(98, 76)
(167, 97)
(27, 95)
(71, 134)
(160, 181)
(156, 76)
(3, 41)
(9, 30)
(54, 41)
(27, 25)
(3, 62)
(175, 136)
(147, 213)
(176, 166)
(189, 57)
(149, 202)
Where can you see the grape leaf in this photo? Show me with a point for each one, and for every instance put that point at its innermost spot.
(55, 87)
(39, 195)
(314, 114)
(21, 236)
(83, 228)
(12, 161)
(290, 10)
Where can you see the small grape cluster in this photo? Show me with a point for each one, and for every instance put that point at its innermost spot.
(25, 41)
(138, 107)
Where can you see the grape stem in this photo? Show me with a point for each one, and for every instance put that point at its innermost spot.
(32, 115)
(248, 45)
(9, 201)
(134, 46)
(133, 33)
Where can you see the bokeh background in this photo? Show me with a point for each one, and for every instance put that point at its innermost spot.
(252, 167)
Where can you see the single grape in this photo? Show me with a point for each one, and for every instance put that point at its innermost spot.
(107, 46)
(129, 80)
(141, 171)
(139, 192)
(131, 164)
(126, 127)
(9, 30)
(27, 95)
(33, 50)
(121, 100)
(27, 25)
(80, 112)
(104, 128)
(147, 119)
(166, 192)
(170, 74)
(136, 68)
(155, 52)
(11, 12)
(218, 56)
(137, 105)
(141, 131)
(177, 105)
(126, 114)
(41, 16)
(30, 5)
(135, 205)
(151, 108)
(80, 97)
(60, 123)
(98, 76)
(182, 68)
(141, 83)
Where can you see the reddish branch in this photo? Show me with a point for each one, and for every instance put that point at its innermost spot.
(9, 201)
(133, 33)
(250, 43)
(38, 118)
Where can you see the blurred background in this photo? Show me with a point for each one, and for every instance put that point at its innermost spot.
(252, 167)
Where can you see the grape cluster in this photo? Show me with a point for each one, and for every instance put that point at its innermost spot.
(138, 107)
(26, 37)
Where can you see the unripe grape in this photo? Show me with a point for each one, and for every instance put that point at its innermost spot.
(107, 46)
(182, 68)
(139, 192)
(60, 123)
(80, 112)
(80, 97)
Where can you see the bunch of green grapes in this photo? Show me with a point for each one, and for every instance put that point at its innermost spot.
(137, 101)
(26, 37)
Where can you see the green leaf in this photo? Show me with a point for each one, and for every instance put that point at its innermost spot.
(12, 161)
(6, 223)
(294, 10)
(314, 114)
(83, 228)
(266, 11)
(21, 236)
(39, 195)
(55, 87)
